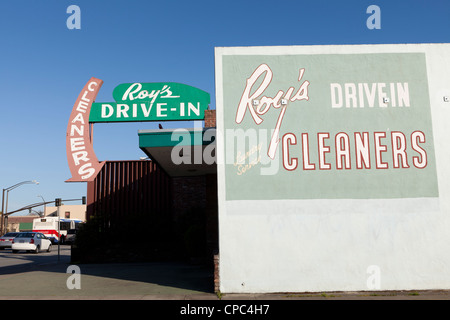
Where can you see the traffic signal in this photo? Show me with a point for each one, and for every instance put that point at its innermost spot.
(58, 202)
(83, 200)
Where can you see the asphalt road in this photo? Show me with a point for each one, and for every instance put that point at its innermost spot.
(23, 260)
(46, 275)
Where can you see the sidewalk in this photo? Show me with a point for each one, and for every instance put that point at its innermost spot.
(109, 281)
(157, 281)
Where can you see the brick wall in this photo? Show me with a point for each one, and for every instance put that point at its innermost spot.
(196, 197)
(210, 118)
(211, 209)
(216, 274)
(188, 193)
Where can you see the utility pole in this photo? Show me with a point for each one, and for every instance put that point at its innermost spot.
(5, 207)
(58, 204)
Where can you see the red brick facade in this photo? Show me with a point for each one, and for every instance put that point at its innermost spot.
(210, 118)
(186, 205)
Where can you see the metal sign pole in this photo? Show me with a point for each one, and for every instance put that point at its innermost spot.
(59, 231)
(58, 204)
(3, 213)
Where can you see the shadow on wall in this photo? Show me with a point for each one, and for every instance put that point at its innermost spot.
(136, 212)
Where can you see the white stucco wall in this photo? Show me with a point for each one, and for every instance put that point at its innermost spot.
(77, 211)
(312, 245)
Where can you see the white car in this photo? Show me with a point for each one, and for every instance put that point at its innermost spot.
(6, 240)
(31, 241)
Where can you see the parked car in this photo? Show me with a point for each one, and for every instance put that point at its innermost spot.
(70, 238)
(6, 240)
(31, 241)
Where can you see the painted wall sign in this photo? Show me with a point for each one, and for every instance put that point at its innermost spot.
(333, 158)
(83, 162)
(328, 126)
(165, 101)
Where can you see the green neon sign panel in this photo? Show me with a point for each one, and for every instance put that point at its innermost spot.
(157, 101)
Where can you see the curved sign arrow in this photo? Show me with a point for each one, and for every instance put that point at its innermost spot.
(83, 163)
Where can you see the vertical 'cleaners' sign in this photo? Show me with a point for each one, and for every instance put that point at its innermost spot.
(327, 126)
(83, 163)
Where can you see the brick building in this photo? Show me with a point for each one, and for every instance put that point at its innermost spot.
(170, 207)
(20, 223)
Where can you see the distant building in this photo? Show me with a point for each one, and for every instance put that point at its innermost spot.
(25, 223)
(20, 223)
(67, 212)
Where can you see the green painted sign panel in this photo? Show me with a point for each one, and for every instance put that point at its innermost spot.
(159, 101)
(26, 226)
(327, 126)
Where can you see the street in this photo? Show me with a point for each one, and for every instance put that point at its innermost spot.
(29, 276)
(21, 261)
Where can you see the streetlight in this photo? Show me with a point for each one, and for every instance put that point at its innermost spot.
(5, 207)
(43, 200)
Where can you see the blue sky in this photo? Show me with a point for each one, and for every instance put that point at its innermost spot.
(44, 65)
